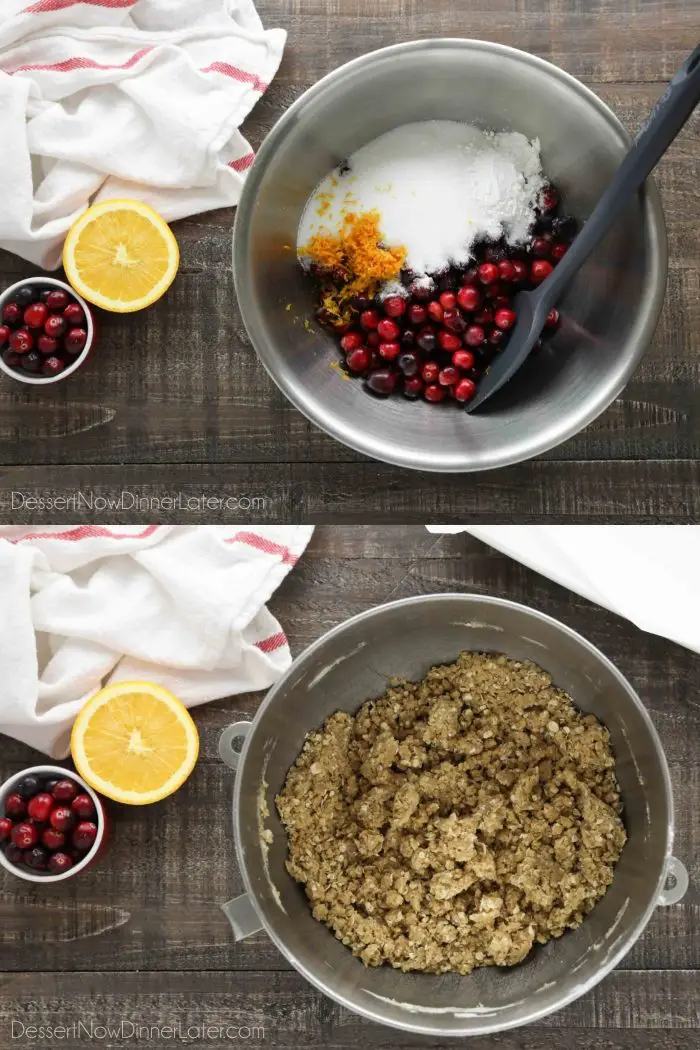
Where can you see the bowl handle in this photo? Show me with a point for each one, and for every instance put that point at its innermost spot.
(243, 917)
(677, 876)
(227, 753)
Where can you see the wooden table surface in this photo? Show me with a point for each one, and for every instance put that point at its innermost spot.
(140, 938)
(175, 400)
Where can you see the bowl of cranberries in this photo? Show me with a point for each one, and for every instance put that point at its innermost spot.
(46, 331)
(52, 824)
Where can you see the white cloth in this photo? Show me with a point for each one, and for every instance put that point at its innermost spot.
(180, 605)
(124, 98)
(650, 574)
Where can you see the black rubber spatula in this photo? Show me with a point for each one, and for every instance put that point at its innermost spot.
(667, 118)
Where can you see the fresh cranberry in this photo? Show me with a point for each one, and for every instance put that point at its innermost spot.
(487, 273)
(430, 372)
(413, 387)
(474, 335)
(4, 334)
(373, 339)
(506, 270)
(505, 318)
(11, 313)
(31, 362)
(541, 248)
(427, 340)
(469, 297)
(59, 863)
(37, 858)
(552, 319)
(448, 300)
(57, 299)
(380, 382)
(21, 341)
(448, 376)
(448, 341)
(357, 361)
(53, 366)
(484, 316)
(29, 785)
(559, 250)
(463, 359)
(12, 360)
(521, 271)
(65, 790)
(409, 363)
(75, 340)
(454, 321)
(25, 835)
(549, 198)
(496, 336)
(434, 392)
(469, 276)
(14, 855)
(389, 351)
(417, 314)
(540, 270)
(464, 390)
(53, 839)
(35, 315)
(74, 314)
(436, 311)
(45, 344)
(5, 828)
(39, 808)
(394, 306)
(15, 806)
(86, 831)
(62, 818)
(55, 326)
(351, 341)
(388, 330)
(369, 319)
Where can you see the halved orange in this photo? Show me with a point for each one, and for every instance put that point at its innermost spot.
(134, 742)
(121, 255)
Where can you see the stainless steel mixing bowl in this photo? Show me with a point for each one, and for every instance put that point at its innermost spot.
(340, 671)
(610, 311)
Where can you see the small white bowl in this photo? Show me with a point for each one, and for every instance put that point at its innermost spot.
(35, 380)
(100, 819)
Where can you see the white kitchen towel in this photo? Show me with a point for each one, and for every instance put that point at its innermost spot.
(650, 574)
(124, 98)
(177, 604)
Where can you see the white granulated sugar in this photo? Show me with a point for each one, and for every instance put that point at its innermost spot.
(440, 186)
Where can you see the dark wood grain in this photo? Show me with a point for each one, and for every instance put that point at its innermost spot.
(141, 936)
(180, 384)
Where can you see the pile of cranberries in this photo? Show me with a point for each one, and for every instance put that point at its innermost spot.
(42, 331)
(437, 340)
(49, 825)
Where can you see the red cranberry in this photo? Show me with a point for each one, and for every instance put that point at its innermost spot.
(357, 361)
(75, 340)
(11, 313)
(434, 392)
(39, 808)
(369, 319)
(14, 855)
(381, 382)
(388, 330)
(409, 363)
(540, 270)
(520, 271)
(506, 270)
(4, 334)
(549, 198)
(5, 828)
(464, 390)
(55, 326)
(540, 248)
(436, 311)
(463, 359)
(53, 839)
(389, 351)
(12, 360)
(488, 272)
(427, 340)
(59, 863)
(454, 321)
(474, 335)
(469, 297)
(469, 276)
(31, 362)
(394, 306)
(52, 366)
(15, 806)
(35, 315)
(86, 831)
(351, 341)
(57, 299)
(37, 858)
(46, 345)
(484, 316)
(559, 250)
(373, 339)
(552, 319)
(62, 818)
(21, 341)
(413, 387)
(74, 314)
(430, 372)
(417, 314)
(505, 318)
(448, 300)
(448, 341)
(65, 790)
(496, 336)
(448, 376)
(25, 835)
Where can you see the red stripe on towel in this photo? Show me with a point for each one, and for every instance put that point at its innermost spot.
(89, 532)
(235, 73)
(242, 163)
(252, 539)
(275, 641)
(42, 7)
(69, 64)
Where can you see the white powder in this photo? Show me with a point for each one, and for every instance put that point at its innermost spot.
(440, 186)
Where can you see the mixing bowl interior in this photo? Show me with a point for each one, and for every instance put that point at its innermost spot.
(354, 664)
(610, 309)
